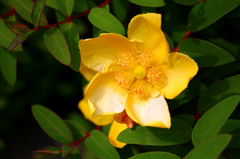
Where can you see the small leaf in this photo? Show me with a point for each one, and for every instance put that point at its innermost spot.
(149, 3)
(52, 3)
(47, 152)
(180, 132)
(8, 65)
(212, 148)
(57, 45)
(77, 129)
(71, 34)
(100, 146)
(80, 6)
(37, 12)
(104, 20)
(219, 91)
(205, 53)
(19, 29)
(120, 9)
(187, 2)
(20, 39)
(75, 154)
(6, 36)
(207, 12)
(66, 6)
(52, 124)
(212, 121)
(155, 155)
(66, 150)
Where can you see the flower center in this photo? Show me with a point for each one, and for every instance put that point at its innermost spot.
(139, 72)
(155, 76)
(125, 59)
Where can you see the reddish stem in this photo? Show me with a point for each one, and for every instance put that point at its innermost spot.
(97, 128)
(185, 37)
(7, 14)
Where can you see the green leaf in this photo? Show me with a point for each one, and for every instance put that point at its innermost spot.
(66, 6)
(6, 37)
(52, 124)
(75, 154)
(155, 155)
(80, 6)
(57, 45)
(232, 127)
(219, 91)
(212, 121)
(71, 34)
(212, 148)
(120, 9)
(77, 129)
(37, 12)
(205, 53)
(148, 9)
(100, 146)
(6, 3)
(47, 152)
(97, 32)
(104, 20)
(24, 9)
(149, 3)
(90, 4)
(52, 3)
(187, 2)
(66, 149)
(20, 39)
(106, 7)
(207, 12)
(170, 42)
(8, 65)
(180, 132)
(178, 33)
(234, 13)
(186, 118)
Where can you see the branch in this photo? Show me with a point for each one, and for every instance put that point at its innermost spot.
(185, 37)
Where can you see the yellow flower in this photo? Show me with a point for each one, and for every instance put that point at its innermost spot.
(135, 73)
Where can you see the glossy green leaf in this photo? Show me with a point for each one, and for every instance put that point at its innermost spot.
(16, 28)
(207, 12)
(66, 149)
(178, 33)
(6, 37)
(75, 154)
(180, 132)
(187, 2)
(77, 129)
(71, 34)
(20, 39)
(52, 124)
(8, 65)
(37, 12)
(232, 127)
(52, 4)
(212, 121)
(104, 20)
(219, 91)
(57, 45)
(66, 6)
(24, 9)
(148, 9)
(155, 155)
(47, 152)
(212, 148)
(106, 7)
(100, 146)
(149, 3)
(80, 6)
(205, 53)
(120, 9)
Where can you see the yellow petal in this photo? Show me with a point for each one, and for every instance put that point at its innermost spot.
(106, 96)
(148, 111)
(100, 120)
(145, 31)
(115, 130)
(103, 53)
(87, 73)
(179, 69)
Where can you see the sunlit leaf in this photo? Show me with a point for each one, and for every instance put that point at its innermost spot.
(37, 12)
(149, 3)
(52, 124)
(57, 45)
(104, 20)
(212, 121)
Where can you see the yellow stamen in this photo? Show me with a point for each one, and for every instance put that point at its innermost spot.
(139, 72)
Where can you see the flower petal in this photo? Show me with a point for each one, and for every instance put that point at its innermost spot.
(145, 31)
(100, 120)
(103, 53)
(87, 73)
(115, 130)
(106, 96)
(179, 69)
(149, 111)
